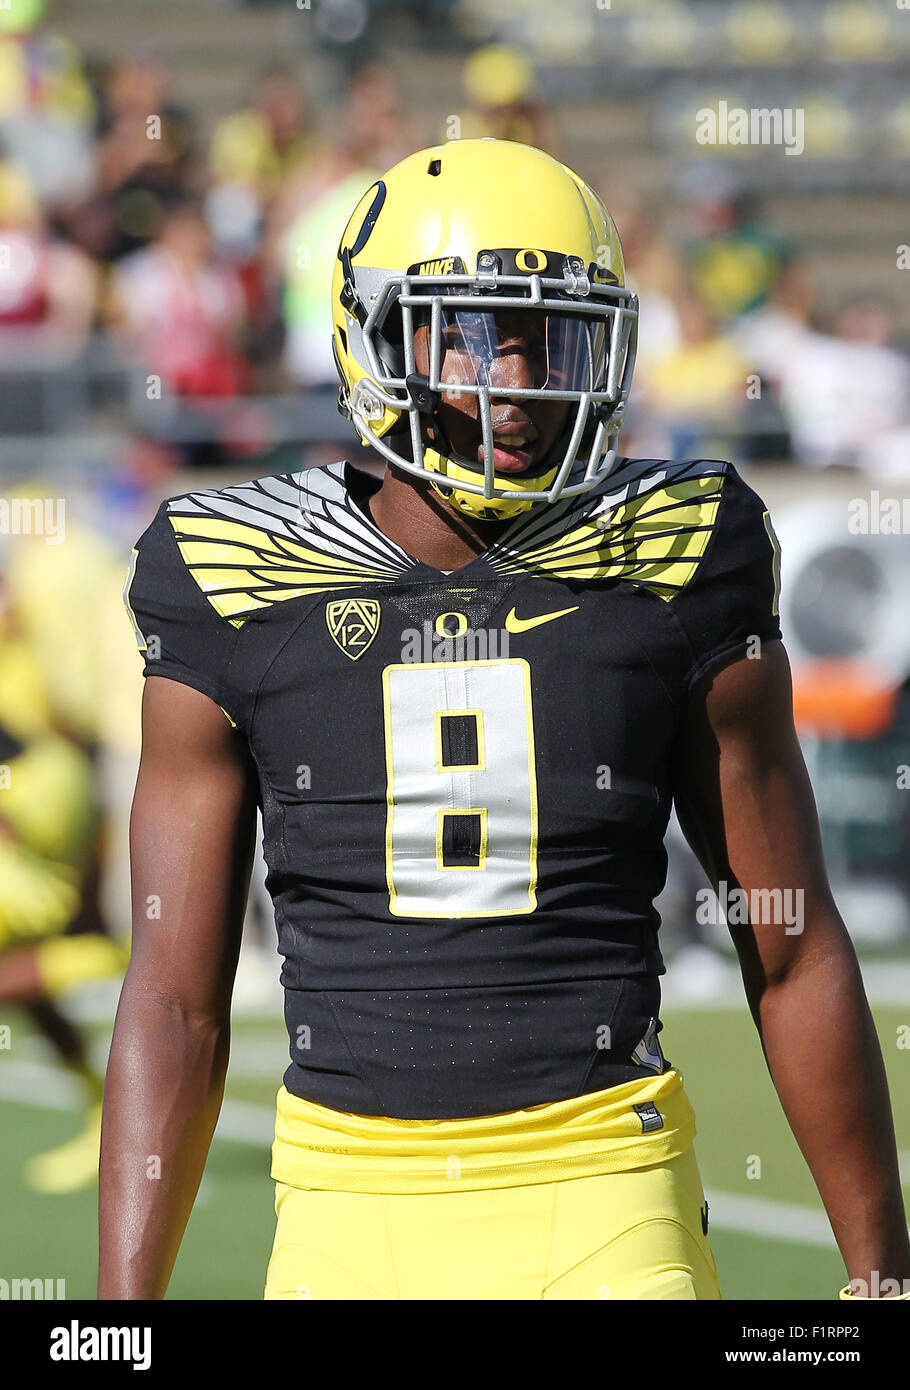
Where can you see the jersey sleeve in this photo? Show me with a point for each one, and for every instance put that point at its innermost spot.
(179, 633)
(732, 598)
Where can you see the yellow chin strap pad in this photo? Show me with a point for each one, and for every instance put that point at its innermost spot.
(474, 503)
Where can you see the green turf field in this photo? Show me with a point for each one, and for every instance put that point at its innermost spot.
(226, 1248)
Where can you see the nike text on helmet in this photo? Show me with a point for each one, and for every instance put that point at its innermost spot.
(449, 241)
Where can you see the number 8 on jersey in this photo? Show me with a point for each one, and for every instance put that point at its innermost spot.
(461, 789)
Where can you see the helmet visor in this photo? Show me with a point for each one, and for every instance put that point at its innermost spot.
(511, 351)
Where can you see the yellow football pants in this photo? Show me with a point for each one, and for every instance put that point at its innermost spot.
(627, 1235)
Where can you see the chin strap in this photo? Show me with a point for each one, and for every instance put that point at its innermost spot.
(481, 508)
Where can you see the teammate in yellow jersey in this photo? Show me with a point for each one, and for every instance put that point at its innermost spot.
(465, 698)
(52, 937)
(49, 940)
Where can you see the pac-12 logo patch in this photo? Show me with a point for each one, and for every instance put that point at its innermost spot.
(352, 624)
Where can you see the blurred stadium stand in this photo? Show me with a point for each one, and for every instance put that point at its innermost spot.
(164, 319)
(613, 87)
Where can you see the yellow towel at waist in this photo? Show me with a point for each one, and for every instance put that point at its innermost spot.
(601, 1132)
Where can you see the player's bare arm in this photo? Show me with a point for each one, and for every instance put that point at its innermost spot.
(745, 801)
(191, 848)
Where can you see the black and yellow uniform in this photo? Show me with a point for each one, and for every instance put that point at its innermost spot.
(48, 828)
(47, 808)
(465, 781)
(48, 836)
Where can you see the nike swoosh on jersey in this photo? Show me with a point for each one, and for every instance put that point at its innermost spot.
(516, 624)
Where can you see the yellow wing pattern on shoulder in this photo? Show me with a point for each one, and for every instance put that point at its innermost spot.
(255, 545)
(655, 538)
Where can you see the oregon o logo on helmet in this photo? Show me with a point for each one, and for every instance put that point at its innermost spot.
(523, 260)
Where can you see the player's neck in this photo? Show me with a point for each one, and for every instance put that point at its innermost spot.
(413, 516)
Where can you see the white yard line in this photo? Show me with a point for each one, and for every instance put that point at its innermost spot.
(762, 1216)
(252, 1058)
(887, 984)
(36, 1083)
(243, 1123)
(48, 1088)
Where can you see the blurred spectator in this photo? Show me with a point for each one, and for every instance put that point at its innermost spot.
(369, 128)
(654, 270)
(501, 86)
(694, 389)
(47, 288)
(144, 162)
(46, 104)
(183, 308)
(310, 249)
(771, 336)
(266, 141)
(734, 259)
(847, 394)
(255, 153)
(95, 154)
(370, 138)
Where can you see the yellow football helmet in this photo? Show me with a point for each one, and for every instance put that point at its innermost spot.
(450, 243)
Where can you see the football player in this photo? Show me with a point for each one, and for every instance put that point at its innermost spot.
(52, 934)
(465, 697)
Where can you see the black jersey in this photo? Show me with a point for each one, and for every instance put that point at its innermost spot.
(465, 778)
